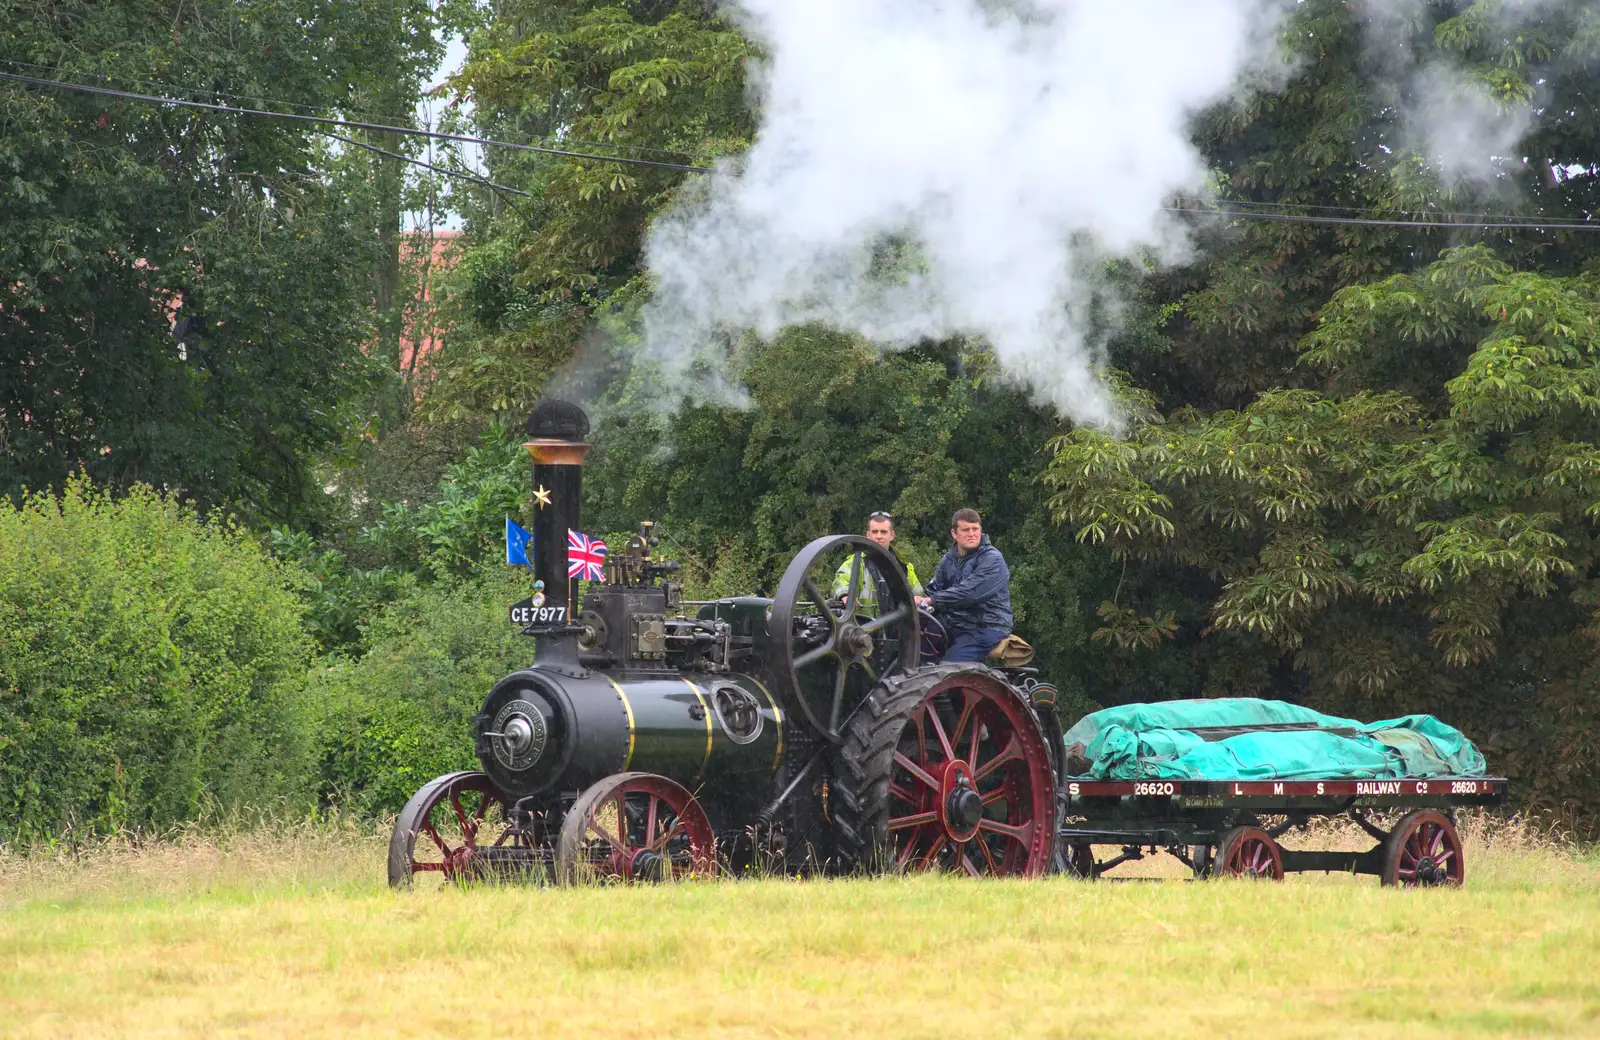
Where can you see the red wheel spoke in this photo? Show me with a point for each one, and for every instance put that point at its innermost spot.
(417, 865)
(1022, 833)
(933, 851)
(1012, 752)
(898, 823)
(599, 829)
(915, 770)
(896, 791)
(967, 864)
(968, 706)
(427, 828)
(666, 838)
(650, 822)
(996, 795)
(938, 731)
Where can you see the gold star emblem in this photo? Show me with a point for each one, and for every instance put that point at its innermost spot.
(541, 496)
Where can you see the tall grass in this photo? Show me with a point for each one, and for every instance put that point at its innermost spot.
(288, 930)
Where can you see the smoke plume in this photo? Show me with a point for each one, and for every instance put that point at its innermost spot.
(928, 168)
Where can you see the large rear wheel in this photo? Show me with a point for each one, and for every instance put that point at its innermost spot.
(945, 769)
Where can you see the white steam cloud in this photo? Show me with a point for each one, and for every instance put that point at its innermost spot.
(1461, 129)
(927, 168)
(1447, 116)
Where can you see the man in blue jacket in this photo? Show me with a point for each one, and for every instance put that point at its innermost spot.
(971, 591)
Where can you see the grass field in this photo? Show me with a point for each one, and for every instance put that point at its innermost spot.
(272, 935)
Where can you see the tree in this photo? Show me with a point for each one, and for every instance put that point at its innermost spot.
(1370, 469)
(184, 295)
(661, 80)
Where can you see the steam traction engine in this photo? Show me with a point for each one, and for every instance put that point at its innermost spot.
(653, 738)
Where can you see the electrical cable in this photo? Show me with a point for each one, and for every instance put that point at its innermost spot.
(1297, 218)
(427, 165)
(290, 104)
(1467, 217)
(1504, 223)
(128, 95)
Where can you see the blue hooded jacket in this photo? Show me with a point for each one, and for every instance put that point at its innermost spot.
(973, 591)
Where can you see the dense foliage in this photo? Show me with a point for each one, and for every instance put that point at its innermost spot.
(184, 295)
(1359, 470)
(148, 667)
(387, 721)
(1367, 475)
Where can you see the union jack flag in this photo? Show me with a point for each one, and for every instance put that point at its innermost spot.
(586, 557)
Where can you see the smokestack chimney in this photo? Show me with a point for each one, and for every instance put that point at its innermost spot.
(556, 430)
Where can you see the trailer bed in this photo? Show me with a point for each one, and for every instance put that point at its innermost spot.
(1216, 826)
(1159, 796)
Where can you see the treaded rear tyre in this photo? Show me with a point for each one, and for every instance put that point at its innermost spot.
(864, 766)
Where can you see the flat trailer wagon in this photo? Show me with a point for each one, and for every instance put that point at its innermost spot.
(1232, 827)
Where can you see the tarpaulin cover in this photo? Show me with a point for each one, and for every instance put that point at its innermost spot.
(1196, 740)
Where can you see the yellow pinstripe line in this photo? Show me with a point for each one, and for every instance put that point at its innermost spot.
(706, 710)
(777, 717)
(627, 707)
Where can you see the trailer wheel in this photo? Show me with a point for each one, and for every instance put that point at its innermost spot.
(635, 827)
(1248, 852)
(1423, 849)
(945, 769)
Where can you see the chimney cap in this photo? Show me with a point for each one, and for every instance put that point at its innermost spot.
(558, 420)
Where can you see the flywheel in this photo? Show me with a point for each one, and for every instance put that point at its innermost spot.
(843, 620)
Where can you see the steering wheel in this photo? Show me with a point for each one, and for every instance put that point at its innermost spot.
(827, 656)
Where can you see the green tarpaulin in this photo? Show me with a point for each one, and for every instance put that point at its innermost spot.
(1241, 738)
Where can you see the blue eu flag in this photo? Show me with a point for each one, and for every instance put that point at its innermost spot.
(517, 544)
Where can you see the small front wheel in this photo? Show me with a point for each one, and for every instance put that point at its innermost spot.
(452, 829)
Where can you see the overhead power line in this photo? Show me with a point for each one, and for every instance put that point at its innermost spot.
(1301, 218)
(1490, 221)
(474, 178)
(291, 104)
(128, 95)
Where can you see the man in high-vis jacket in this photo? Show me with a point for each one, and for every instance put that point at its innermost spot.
(880, 528)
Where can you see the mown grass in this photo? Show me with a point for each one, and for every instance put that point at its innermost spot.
(290, 933)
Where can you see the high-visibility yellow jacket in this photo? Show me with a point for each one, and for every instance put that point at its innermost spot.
(867, 597)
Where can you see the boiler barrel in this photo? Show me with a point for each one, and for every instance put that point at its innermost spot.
(541, 731)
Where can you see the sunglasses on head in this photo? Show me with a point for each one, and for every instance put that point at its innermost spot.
(879, 515)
